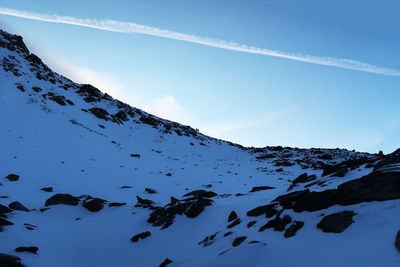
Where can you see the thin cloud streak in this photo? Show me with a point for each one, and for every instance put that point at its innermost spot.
(129, 27)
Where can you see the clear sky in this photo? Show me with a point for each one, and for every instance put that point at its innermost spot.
(251, 99)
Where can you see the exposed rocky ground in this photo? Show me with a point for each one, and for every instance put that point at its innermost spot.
(86, 180)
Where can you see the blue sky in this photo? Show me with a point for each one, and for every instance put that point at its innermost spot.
(251, 99)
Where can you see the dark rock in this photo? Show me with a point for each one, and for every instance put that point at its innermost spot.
(143, 201)
(125, 187)
(59, 99)
(12, 177)
(228, 233)
(36, 89)
(100, 113)
(234, 223)
(17, 206)
(165, 262)
(116, 204)
(303, 178)
(336, 222)
(4, 222)
(257, 242)
(376, 186)
(238, 241)
(232, 216)
(208, 240)
(261, 188)
(340, 173)
(269, 211)
(143, 235)
(278, 223)
(135, 156)
(47, 189)
(397, 241)
(4, 209)
(293, 228)
(32, 249)
(65, 199)
(94, 204)
(201, 193)
(197, 207)
(150, 190)
(7, 260)
(21, 88)
(250, 224)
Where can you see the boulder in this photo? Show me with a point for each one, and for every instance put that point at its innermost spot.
(336, 222)
(4, 222)
(232, 216)
(234, 223)
(18, 206)
(94, 204)
(7, 260)
(277, 223)
(65, 199)
(269, 211)
(293, 228)
(4, 209)
(165, 262)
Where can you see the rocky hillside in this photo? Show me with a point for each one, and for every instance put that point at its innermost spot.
(86, 180)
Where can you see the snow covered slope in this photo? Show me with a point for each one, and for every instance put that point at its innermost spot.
(87, 180)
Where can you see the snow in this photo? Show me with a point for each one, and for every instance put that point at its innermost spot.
(39, 143)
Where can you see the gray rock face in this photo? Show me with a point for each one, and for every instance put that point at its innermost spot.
(336, 222)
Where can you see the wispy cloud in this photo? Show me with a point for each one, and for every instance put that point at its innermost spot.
(221, 128)
(129, 27)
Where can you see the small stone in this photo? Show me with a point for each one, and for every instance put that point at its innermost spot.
(47, 189)
(238, 241)
(150, 190)
(12, 177)
(165, 262)
(143, 235)
(32, 249)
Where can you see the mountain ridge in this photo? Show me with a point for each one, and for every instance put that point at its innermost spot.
(90, 181)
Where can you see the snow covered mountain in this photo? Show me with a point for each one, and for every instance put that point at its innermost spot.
(87, 180)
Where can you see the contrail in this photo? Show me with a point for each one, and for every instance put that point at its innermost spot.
(129, 27)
